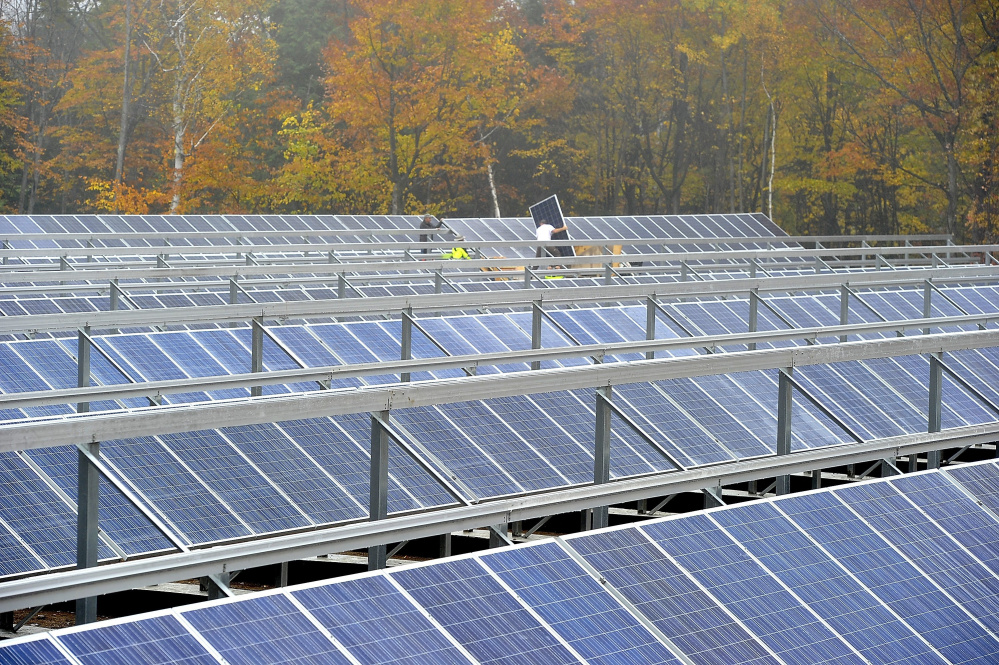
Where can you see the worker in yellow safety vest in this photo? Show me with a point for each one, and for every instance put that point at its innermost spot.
(456, 252)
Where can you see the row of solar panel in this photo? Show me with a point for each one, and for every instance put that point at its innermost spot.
(886, 572)
(219, 485)
(965, 300)
(297, 226)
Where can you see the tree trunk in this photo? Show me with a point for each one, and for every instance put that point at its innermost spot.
(492, 190)
(126, 95)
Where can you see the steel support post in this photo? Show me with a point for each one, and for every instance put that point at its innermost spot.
(233, 290)
(601, 450)
(754, 307)
(282, 576)
(713, 497)
(7, 618)
(438, 282)
(407, 340)
(927, 303)
(650, 324)
(936, 397)
(527, 277)
(536, 330)
(683, 271)
(497, 536)
(816, 479)
(784, 401)
(257, 352)
(378, 502)
(341, 286)
(88, 490)
(608, 275)
(445, 545)
(844, 308)
(113, 294)
(213, 585)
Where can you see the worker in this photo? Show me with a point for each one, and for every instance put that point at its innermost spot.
(545, 233)
(457, 252)
(428, 223)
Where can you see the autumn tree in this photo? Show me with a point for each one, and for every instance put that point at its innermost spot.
(413, 87)
(924, 53)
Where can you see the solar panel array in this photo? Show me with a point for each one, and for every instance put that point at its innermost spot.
(720, 231)
(902, 570)
(220, 485)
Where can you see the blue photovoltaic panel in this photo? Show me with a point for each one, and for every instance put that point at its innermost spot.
(540, 430)
(476, 610)
(645, 404)
(288, 467)
(669, 598)
(37, 514)
(16, 558)
(118, 517)
(866, 624)
(956, 513)
(913, 597)
(503, 445)
(630, 455)
(982, 480)
(928, 547)
(268, 629)
(768, 609)
(241, 486)
(377, 624)
(464, 459)
(730, 426)
(173, 490)
(159, 640)
(39, 651)
(577, 607)
(547, 212)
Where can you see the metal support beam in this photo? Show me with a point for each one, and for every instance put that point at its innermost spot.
(257, 353)
(7, 621)
(406, 340)
(784, 401)
(536, 313)
(88, 490)
(341, 286)
(282, 576)
(527, 277)
(379, 482)
(754, 306)
(601, 450)
(933, 413)
(650, 324)
(608, 274)
(438, 281)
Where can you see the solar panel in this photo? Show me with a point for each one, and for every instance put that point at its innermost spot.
(767, 608)
(850, 609)
(153, 641)
(576, 606)
(914, 598)
(267, 629)
(678, 606)
(479, 613)
(378, 624)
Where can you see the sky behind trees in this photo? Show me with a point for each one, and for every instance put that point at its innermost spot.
(832, 116)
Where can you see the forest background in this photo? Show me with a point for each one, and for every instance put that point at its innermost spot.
(832, 116)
